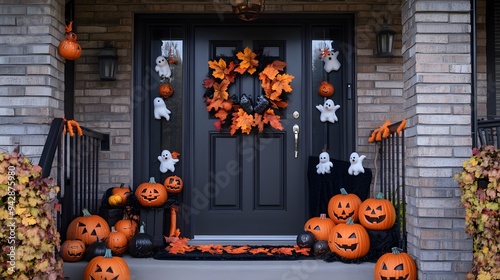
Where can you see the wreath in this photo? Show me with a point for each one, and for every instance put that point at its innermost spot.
(239, 112)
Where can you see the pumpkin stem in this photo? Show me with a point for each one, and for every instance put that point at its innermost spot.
(86, 212)
(141, 229)
(379, 195)
(396, 250)
(152, 180)
(350, 221)
(322, 216)
(343, 191)
(108, 254)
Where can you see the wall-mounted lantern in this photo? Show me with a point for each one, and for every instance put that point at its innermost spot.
(107, 63)
(247, 10)
(385, 40)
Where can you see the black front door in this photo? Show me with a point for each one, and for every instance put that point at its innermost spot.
(248, 184)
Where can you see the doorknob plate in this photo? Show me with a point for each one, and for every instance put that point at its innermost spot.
(296, 115)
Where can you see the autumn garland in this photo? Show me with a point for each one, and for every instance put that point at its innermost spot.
(245, 116)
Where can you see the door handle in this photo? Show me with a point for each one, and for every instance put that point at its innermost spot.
(295, 130)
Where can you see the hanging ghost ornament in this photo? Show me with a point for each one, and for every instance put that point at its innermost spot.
(167, 161)
(328, 110)
(324, 164)
(331, 61)
(160, 109)
(356, 164)
(163, 68)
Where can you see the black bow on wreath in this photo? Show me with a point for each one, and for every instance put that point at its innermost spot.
(246, 103)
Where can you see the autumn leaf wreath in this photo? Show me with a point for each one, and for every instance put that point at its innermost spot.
(237, 111)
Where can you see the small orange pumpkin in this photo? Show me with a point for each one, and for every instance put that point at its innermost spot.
(69, 48)
(395, 265)
(342, 206)
(349, 240)
(320, 227)
(173, 184)
(107, 267)
(165, 90)
(127, 227)
(151, 194)
(117, 242)
(122, 192)
(72, 250)
(377, 213)
(325, 89)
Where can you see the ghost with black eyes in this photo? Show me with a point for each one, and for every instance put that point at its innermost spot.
(324, 164)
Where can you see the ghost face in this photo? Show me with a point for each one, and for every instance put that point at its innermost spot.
(324, 157)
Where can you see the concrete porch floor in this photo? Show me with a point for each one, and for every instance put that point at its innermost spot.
(151, 269)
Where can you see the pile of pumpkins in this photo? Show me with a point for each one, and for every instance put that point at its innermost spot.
(344, 232)
(90, 237)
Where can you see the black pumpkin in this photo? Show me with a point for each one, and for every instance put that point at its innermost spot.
(96, 248)
(141, 245)
(305, 239)
(320, 248)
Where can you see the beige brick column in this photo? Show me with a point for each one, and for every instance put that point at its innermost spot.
(31, 73)
(437, 90)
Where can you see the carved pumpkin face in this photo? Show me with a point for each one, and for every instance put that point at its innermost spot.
(72, 250)
(165, 90)
(349, 240)
(88, 228)
(395, 265)
(151, 194)
(377, 213)
(343, 206)
(107, 267)
(117, 242)
(320, 227)
(325, 89)
(173, 184)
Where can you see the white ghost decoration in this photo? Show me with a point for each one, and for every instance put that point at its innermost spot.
(324, 164)
(328, 111)
(167, 162)
(162, 67)
(356, 164)
(331, 62)
(160, 109)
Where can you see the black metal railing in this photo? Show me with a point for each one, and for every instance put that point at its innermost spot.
(76, 168)
(391, 154)
(487, 132)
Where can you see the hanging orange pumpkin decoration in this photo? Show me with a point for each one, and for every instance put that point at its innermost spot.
(395, 265)
(173, 184)
(377, 213)
(72, 250)
(107, 267)
(325, 89)
(151, 194)
(320, 227)
(88, 228)
(343, 206)
(117, 242)
(69, 48)
(165, 90)
(349, 240)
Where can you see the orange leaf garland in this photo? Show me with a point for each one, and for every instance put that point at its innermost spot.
(260, 250)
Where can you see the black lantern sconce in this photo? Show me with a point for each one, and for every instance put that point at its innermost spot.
(247, 10)
(385, 40)
(107, 63)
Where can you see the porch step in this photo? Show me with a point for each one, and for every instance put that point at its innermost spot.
(151, 269)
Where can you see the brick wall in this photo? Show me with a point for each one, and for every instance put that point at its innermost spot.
(31, 75)
(436, 51)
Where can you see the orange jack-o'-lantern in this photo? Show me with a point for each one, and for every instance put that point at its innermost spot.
(325, 89)
(173, 184)
(127, 227)
(107, 267)
(349, 240)
(88, 228)
(320, 227)
(395, 265)
(151, 194)
(165, 90)
(72, 250)
(343, 206)
(69, 48)
(377, 213)
(117, 241)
